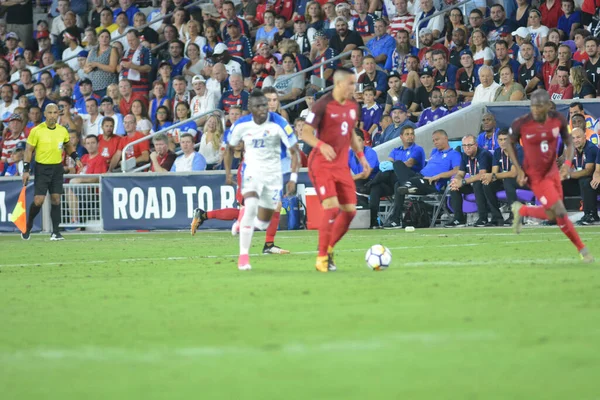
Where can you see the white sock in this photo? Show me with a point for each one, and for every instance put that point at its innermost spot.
(247, 224)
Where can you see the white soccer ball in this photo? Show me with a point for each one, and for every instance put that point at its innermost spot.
(378, 257)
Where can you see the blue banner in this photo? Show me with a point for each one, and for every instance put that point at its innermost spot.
(165, 201)
(9, 195)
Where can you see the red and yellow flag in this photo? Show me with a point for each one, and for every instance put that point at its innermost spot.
(19, 216)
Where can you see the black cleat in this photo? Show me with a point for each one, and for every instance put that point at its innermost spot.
(199, 218)
(26, 235)
(55, 237)
(330, 263)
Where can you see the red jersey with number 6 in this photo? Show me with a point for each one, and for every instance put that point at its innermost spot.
(540, 142)
(334, 123)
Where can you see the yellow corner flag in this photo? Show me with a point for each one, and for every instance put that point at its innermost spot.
(19, 216)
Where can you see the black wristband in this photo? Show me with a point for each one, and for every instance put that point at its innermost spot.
(26, 166)
(75, 156)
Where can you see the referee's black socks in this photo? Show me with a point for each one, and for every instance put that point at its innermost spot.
(33, 212)
(55, 216)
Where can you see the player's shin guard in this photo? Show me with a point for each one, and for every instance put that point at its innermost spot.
(340, 226)
(534, 212)
(565, 225)
(225, 214)
(247, 224)
(326, 229)
(272, 229)
(55, 216)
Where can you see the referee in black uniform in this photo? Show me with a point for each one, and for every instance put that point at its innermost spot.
(48, 140)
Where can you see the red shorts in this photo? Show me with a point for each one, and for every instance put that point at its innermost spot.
(333, 183)
(547, 189)
(238, 192)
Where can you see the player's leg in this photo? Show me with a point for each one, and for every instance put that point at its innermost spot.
(56, 190)
(41, 184)
(270, 247)
(224, 214)
(331, 210)
(247, 229)
(347, 200)
(540, 188)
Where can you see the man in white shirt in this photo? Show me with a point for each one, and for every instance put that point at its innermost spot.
(203, 100)
(486, 90)
(9, 103)
(190, 160)
(218, 83)
(73, 49)
(92, 121)
(58, 23)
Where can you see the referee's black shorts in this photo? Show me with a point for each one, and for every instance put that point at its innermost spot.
(48, 178)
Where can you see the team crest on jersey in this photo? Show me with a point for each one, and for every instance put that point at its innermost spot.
(105, 152)
(555, 132)
(352, 113)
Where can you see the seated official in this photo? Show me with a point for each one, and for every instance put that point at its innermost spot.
(443, 163)
(502, 177)
(476, 162)
(410, 155)
(488, 138)
(580, 178)
(595, 184)
(190, 160)
(359, 176)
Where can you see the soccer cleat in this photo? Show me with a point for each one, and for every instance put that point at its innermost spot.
(586, 256)
(199, 218)
(392, 225)
(26, 235)
(480, 223)
(331, 267)
(322, 264)
(454, 224)
(244, 262)
(235, 228)
(517, 219)
(272, 249)
(56, 237)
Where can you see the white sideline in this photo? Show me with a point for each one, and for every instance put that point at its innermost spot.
(115, 354)
(432, 263)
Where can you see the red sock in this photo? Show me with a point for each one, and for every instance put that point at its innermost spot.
(326, 229)
(565, 225)
(272, 229)
(341, 225)
(225, 214)
(533, 211)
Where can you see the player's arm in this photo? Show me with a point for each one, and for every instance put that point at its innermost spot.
(308, 136)
(227, 161)
(71, 151)
(296, 161)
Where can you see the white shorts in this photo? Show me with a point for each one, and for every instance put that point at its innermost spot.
(268, 188)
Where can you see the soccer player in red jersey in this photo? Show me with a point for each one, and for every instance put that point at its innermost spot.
(539, 132)
(333, 118)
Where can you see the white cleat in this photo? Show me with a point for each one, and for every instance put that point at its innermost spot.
(245, 267)
(517, 219)
(235, 228)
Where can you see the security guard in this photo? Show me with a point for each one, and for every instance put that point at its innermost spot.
(48, 140)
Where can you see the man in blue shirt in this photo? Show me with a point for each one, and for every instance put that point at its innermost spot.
(360, 179)
(488, 138)
(444, 73)
(382, 46)
(436, 111)
(475, 162)
(442, 165)
(408, 156)
(400, 119)
(502, 177)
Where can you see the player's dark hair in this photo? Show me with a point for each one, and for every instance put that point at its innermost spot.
(576, 104)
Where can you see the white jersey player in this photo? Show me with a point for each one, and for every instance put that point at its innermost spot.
(266, 137)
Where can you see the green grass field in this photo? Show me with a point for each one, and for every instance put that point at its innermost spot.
(460, 314)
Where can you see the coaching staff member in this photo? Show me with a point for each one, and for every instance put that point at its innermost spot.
(48, 140)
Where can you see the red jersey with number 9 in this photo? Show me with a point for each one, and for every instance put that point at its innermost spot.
(540, 142)
(334, 124)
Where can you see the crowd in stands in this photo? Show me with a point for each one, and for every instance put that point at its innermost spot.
(120, 72)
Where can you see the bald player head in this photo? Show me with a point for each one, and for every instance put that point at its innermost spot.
(344, 81)
(540, 105)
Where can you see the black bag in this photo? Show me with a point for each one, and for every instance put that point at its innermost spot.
(417, 215)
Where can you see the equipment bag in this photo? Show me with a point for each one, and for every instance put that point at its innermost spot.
(291, 205)
(417, 215)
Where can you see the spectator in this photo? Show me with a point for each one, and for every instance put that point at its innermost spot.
(58, 23)
(273, 103)
(399, 120)
(9, 103)
(190, 160)
(127, 7)
(136, 64)
(401, 59)
(467, 77)
(309, 99)
(530, 72)
(579, 121)
(120, 34)
(550, 12)
(444, 73)
(160, 99)
(34, 117)
(288, 89)
(371, 112)
(476, 20)
(364, 23)
(182, 113)
(454, 21)
(92, 120)
(592, 65)
(359, 175)
(194, 36)
(237, 94)
(402, 20)
(423, 93)
(582, 88)
(482, 54)
(564, 57)
(139, 152)
(475, 162)
(179, 20)
(93, 163)
(94, 15)
(570, 20)
(579, 36)
(177, 60)
(488, 138)
(451, 101)
(344, 39)
(108, 110)
(69, 166)
(39, 93)
(221, 55)
(210, 142)
(436, 111)
(128, 97)
(281, 31)
(147, 35)
(229, 15)
(459, 39)
(521, 13)
(218, 83)
(106, 21)
(162, 158)
(562, 90)
(140, 112)
(85, 88)
(203, 100)
(238, 46)
(268, 30)
(109, 144)
(260, 77)
(16, 168)
(538, 32)
(551, 64)
(509, 89)
(67, 116)
(343, 10)
(303, 37)
(503, 59)
(498, 23)
(375, 79)
(329, 15)
(73, 48)
(398, 94)
(426, 44)
(578, 183)
(486, 90)
(435, 24)
(14, 135)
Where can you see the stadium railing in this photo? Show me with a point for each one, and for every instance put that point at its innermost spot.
(49, 67)
(165, 130)
(441, 12)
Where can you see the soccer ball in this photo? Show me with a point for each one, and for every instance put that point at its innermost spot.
(378, 257)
